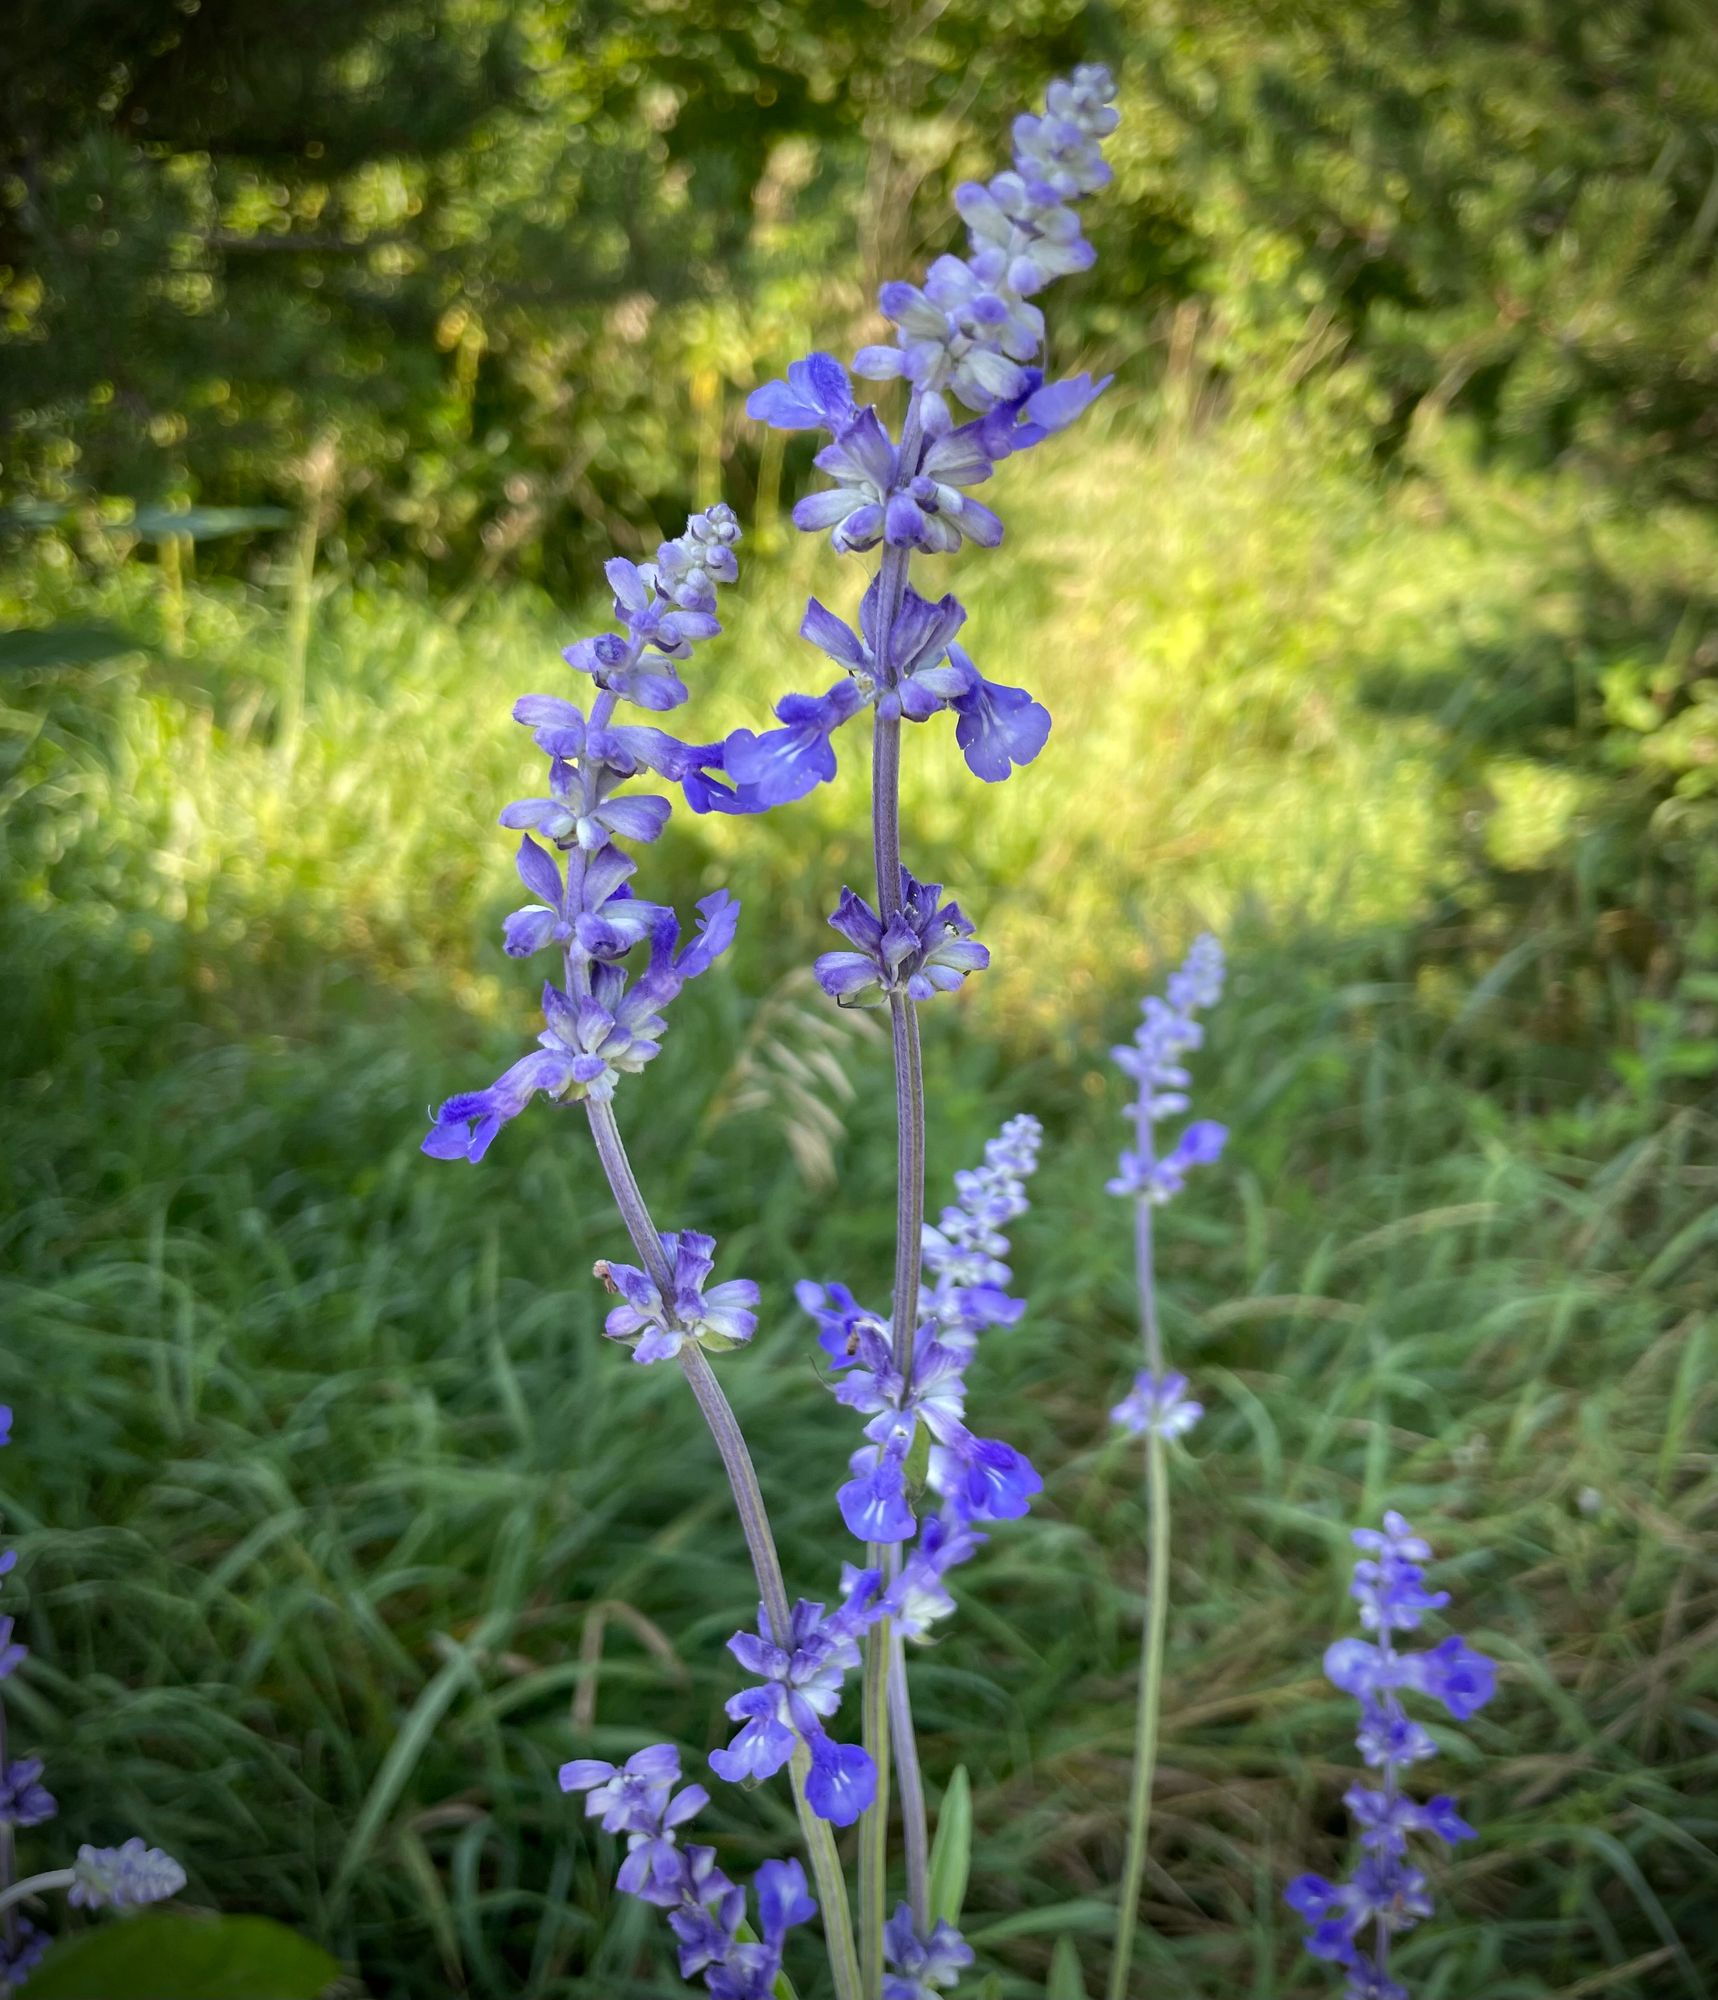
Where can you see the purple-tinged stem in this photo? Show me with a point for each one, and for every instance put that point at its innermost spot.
(1381, 1930)
(1151, 1334)
(890, 1658)
(903, 1018)
(874, 1827)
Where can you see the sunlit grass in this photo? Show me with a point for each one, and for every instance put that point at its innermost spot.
(334, 1504)
(1197, 617)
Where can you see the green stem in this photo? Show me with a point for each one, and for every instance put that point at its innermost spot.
(38, 1885)
(874, 1827)
(827, 1873)
(1146, 1714)
(915, 1828)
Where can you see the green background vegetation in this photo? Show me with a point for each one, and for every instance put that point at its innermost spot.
(1376, 610)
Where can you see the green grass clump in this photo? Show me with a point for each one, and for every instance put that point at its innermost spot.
(343, 1527)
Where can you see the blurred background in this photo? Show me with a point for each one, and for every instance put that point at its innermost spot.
(1377, 607)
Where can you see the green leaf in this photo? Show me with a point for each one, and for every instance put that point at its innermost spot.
(1067, 1982)
(951, 1851)
(204, 524)
(40, 514)
(186, 1958)
(65, 646)
(918, 1466)
(1085, 1913)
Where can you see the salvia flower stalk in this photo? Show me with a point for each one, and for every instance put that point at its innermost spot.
(1157, 1407)
(622, 963)
(1354, 1923)
(705, 1910)
(969, 337)
(968, 347)
(101, 1878)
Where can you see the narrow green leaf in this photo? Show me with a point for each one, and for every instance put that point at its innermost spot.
(1085, 1913)
(36, 514)
(1067, 1982)
(917, 1469)
(204, 524)
(951, 1850)
(189, 1957)
(433, 1702)
(65, 646)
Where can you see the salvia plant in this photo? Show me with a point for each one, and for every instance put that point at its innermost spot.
(1158, 1408)
(923, 1486)
(100, 1878)
(1353, 1923)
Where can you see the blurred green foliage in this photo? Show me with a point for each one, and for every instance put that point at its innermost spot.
(1505, 208)
(1376, 609)
(466, 273)
(478, 281)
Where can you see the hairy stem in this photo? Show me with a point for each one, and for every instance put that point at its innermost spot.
(915, 1832)
(754, 1523)
(885, 1660)
(874, 1827)
(1145, 1716)
(910, 1182)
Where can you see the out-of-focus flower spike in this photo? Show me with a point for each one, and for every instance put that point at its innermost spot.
(1352, 1923)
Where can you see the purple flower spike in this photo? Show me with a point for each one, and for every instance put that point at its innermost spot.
(970, 334)
(924, 1966)
(1168, 1029)
(716, 1317)
(749, 1971)
(970, 328)
(1352, 1923)
(801, 1686)
(926, 948)
(627, 1797)
(124, 1877)
(23, 1952)
(24, 1800)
